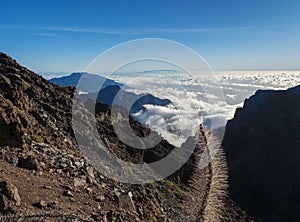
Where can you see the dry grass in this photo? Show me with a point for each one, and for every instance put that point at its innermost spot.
(218, 192)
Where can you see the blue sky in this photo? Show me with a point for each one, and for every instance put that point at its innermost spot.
(64, 36)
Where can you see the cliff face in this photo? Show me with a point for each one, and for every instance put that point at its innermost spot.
(262, 145)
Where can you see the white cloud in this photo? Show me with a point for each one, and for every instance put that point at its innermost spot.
(134, 31)
(191, 106)
(46, 34)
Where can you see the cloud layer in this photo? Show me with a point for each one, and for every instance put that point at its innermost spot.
(191, 105)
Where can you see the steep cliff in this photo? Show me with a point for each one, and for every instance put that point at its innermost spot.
(262, 145)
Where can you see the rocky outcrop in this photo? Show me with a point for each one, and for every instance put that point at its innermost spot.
(263, 150)
(32, 109)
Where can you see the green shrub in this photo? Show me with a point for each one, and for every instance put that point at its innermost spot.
(36, 138)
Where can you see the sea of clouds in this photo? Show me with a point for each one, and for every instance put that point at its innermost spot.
(194, 102)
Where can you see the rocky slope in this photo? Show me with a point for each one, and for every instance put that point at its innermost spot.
(263, 150)
(31, 108)
(45, 177)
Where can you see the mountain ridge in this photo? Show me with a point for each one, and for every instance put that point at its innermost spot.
(108, 91)
(89, 82)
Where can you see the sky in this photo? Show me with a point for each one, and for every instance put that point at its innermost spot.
(65, 36)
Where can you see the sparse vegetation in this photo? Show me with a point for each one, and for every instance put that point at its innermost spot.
(181, 193)
(159, 194)
(36, 138)
(218, 189)
(173, 187)
(180, 206)
(153, 184)
(23, 101)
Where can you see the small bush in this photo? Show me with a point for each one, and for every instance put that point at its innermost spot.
(36, 138)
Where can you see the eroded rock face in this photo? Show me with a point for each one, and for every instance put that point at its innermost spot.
(262, 145)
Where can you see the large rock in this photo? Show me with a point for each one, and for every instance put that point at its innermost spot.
(262, 145)
(9, 196)
(5, 204)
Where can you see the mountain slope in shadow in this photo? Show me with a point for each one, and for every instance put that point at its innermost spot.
(133, 102)
(262, 145)
(108, 91)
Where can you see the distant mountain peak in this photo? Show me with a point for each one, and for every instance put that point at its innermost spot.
(106, 90)
(89, 83)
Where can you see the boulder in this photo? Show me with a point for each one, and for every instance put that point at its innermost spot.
(9, 197)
